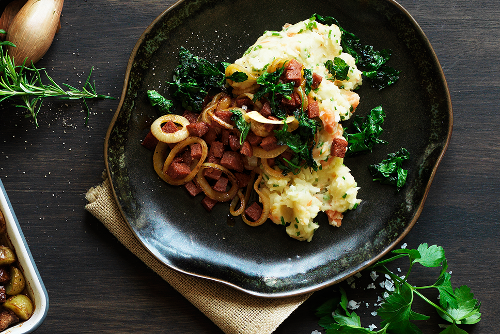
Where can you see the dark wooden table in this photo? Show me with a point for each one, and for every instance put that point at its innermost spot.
(96, 286)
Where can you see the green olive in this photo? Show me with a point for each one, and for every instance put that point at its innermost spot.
(17, 282)
(7, 256)
(21, 305)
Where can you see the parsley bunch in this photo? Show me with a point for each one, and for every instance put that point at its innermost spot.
(456, 306)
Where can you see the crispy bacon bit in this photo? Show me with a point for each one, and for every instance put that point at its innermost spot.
(208, 203)
(339, 147)
(254, 211)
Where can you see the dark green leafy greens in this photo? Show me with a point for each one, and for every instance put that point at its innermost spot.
(457, 306)
(157, 100)
(366, 132)
(369, 60)
(338, 68)
(274, 90)
(390, 170)
(193, 79)
(299, 141)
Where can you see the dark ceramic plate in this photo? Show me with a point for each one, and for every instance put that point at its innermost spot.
(264, 261)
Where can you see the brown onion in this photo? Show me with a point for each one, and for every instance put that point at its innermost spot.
(174, 137)
(220, 196)
(32, 30)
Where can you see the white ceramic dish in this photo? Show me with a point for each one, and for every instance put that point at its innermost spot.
(34, 284)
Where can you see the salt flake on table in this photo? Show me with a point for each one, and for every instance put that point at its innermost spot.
(352, 305)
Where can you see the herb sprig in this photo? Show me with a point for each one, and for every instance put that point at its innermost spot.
(456, 306)
(23, 86)
(390, 170)
(366, 132)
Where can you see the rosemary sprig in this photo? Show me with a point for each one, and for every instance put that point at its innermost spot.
(23, 85)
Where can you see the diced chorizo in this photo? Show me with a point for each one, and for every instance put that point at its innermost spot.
(216, 149)
(224, 137)
(242, 178)
(212, 173)
(169, 127)
(254, 211)
(253, 138)
(192, 188)
(224, 115)
(178, 170)
(312, 108)
(293, 72)
(208, 203)
(197, 129)
(186, 157)
(316, 80)
(221, 184)
(339, 147)
(246, 149)
(269, 143)
(150, 141)
(243, 101)
(234, 143)
(192, 117)
(196, 151)
(293, 102)
(211, 135)
(266, 109)
(232, 160)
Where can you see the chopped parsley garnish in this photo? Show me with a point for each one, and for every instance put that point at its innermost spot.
(338, 68)
(456, 306)
(241, 124)
(369, 60)
(366, 133)
(274, 90)
(390, 170)
(299, 141)
(157, 100)
(308, 77)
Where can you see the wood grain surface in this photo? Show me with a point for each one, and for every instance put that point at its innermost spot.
(96, 286)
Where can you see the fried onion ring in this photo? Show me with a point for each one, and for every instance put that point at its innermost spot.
(173, 137)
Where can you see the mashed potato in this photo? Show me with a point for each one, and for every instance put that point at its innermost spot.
(297, 199)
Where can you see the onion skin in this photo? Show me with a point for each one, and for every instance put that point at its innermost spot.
(32, 30)
(9, 13)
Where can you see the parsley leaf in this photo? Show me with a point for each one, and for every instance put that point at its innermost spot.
(274, 90)
(338, 68)
(156, 99)
(390, 170)
(366, 133)
(458, 307)
(241, 124)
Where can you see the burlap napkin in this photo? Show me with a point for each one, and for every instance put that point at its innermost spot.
(231, 310)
